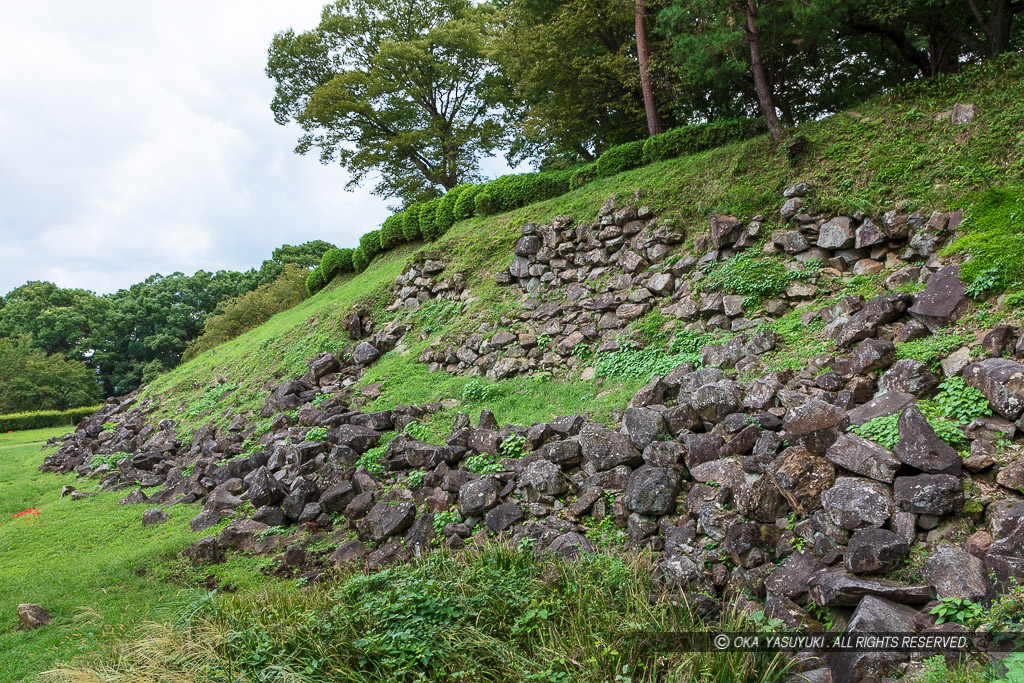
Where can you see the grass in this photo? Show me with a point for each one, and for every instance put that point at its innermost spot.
(89, 562)
(495, 614)
(890, 150)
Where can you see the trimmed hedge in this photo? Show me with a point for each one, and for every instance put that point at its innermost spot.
(334, 262)
(583, 175)
(697, 138)
(444, 217)
(431, 219)
(411, 223)
(620, 158)
(359, 260)
(370, 244)
(512, 191)
(315, 281)
(41, 419)
(465, 205)
(391, 234)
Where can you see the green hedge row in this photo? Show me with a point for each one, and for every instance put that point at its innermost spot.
(41, 419)
(431, 219)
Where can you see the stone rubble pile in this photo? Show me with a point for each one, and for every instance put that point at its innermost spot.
(752, 493)
(582, 284)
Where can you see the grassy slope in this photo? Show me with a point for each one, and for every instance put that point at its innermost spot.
(89, 562)
(890, 149)
(94, 554)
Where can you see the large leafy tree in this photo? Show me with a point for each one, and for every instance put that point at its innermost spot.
(400, 90)
(574, 83)
(57, 320)
(149, 324)
(32, 380)
(812, 62)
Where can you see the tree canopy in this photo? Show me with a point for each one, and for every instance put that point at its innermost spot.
(398, 89)
(30, 379)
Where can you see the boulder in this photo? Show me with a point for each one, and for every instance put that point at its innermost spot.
(347, 553)
(714, 401)
(365, 353)
(837, 587)
(863, 457)
(653, 490)
(241, 534)
(837, 233)
(929, 494)
(815, 424)
(873, 615)
(542, 478)
(33, 616)
(571, 545)
(607, 449)
(864, 323)
(909, 376)
(943, 299)
(1002, 382)
(921, 448)
(264, 488)
(501, 518)
(874, 550)
(889, 403)
(385, 520)
(478, 496)
(858, 503)
(801, 478)
(643, 426)
(954, 573)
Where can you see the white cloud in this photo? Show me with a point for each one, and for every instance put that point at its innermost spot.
(138, 138)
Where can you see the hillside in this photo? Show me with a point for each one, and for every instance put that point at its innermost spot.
(760, 386)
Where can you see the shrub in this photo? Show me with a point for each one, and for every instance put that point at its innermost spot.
(391, 233)
(583, 175)
(315, 281)
(697, 138)
(960, 402)
(620, 158)
(428, 226)
(242, 313)
(512, 191)
(411, 223)
(370, 244)
(931, 350)
(42, 419)
(359, 260)
(642, 364)
(465, 205)
(444, 216)
(335, 262)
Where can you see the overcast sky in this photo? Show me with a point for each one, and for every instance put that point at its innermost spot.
(136, 137)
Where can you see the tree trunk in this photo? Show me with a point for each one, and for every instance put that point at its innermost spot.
(999, 24)
(650, 106)
(764, 91)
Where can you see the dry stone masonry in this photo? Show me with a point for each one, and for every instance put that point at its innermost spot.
(747, 485)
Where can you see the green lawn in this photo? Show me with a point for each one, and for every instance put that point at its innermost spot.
(89, 562)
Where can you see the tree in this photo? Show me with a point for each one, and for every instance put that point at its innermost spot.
(154, 321)
(32, 380)
(57, 320)
(812, 64)
(306, 255)
(643, 57)
(573, 84)
(242, 313)
(761, 85)
(400, 89)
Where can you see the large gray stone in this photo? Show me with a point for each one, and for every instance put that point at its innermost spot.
(815, 424)
(860, 456)
(858, 503)
(653, 490)
(386, 520)
(1002, 382)
(943, 300)
(929, 494)
(606, 448)
(920, 447)
(954, 573)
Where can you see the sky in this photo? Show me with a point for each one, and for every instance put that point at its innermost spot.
(136, 138)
